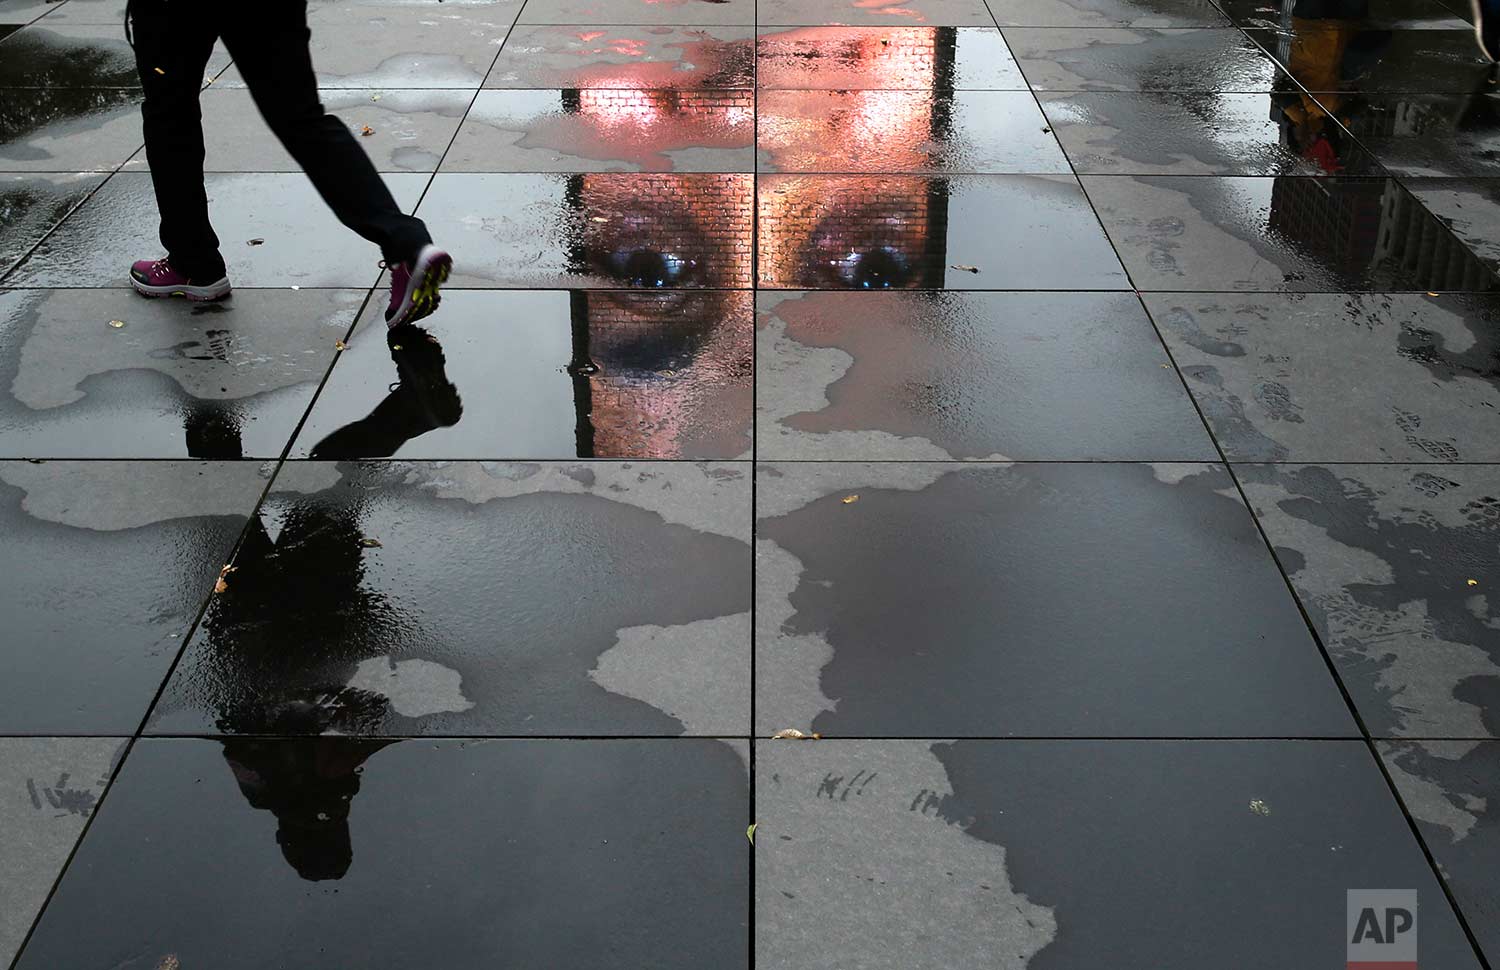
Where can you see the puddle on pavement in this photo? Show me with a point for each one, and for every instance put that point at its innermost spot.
(905, 131)
(606, 130)
(350, 573)
(1290, 233)
(600, 230)
(633, 58)
(981, 232)
(585, 374)
(106, 565)
(305, 839)
(889, 58)
(220, 381)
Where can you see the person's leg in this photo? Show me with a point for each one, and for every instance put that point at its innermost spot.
(269, 43)
(173, 41)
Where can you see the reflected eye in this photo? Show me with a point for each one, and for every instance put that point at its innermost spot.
(646, 267)
(877, 269)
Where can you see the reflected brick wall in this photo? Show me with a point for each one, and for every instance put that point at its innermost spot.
(854, 231)
(663, 375)
(664, 231)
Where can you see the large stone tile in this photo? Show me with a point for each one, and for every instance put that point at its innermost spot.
(402, 45)
(967, 232)
(410, 129)
(302, 243)
(630, 57)
(940, 376)
(1068, 854)
(1143, 59)
(638, 12)
(905, 131)
(49, 789)
(1346, 14)
(466, 598)
(1382, 557)
(69, 129)
(1340, 377)
(1207, 133)
(1107, 13)
(1288, 233)
(448, 853)
(31, 205)
(54, 53)
(906, 13)
(19, 12)
(917, 599)
(107, 564)
(1436, 136)
(886, 58)
(1469, 207)
(545, 374)
(1450, 789)
(607, 130)
(216, 381)
(598, 230)
(1338, 59)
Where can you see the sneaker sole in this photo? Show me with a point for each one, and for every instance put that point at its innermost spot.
(198, 294)
(424, 297)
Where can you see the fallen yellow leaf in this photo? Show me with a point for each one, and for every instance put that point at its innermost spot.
(750, 833)
(223, 582)
(792, 734)
(1430, 293)
(1259, 807)
(850, 499)
(159, 71)
(340, 345)
(367, 131)
(370, 543)
(117, 324)
(1473, 582)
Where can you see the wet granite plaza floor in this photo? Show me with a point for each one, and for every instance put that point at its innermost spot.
(1081, 414)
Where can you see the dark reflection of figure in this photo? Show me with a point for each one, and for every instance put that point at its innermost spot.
(288, 614)
(421, 400)
(309, 785)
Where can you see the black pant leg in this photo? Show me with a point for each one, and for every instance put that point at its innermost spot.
(173, 41)
(269, 43)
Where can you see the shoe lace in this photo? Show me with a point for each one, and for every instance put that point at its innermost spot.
(161, 265)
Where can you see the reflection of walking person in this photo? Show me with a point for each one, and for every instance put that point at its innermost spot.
(309, 785)
(268, 40)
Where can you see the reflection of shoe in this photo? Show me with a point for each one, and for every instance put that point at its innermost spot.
(414, 286)
(156, 277)
(1487, 27)
(419, 367)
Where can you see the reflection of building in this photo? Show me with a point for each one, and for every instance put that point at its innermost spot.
(867, 232)
(1375, 230)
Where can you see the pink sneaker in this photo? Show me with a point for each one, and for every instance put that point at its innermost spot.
(414, 286)
(156, 277)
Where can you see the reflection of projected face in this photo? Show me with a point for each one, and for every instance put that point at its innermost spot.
(645, 128)
(666, 231)
(673, 371)
(861, 232)
(666, 361)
